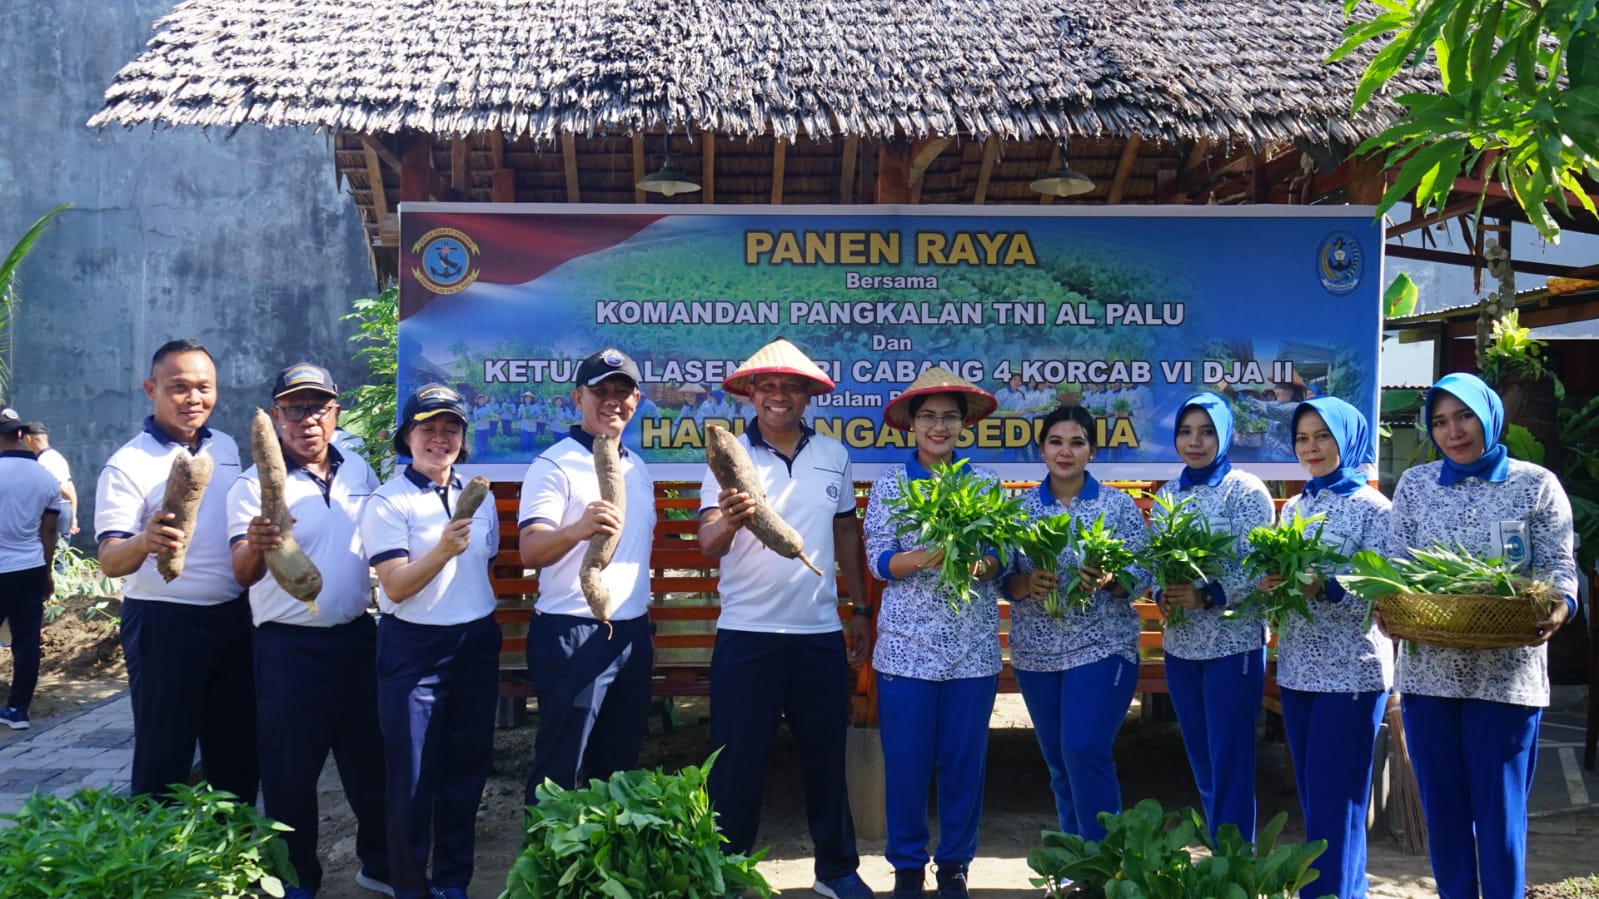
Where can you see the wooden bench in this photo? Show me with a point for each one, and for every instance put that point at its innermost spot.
(684, 607)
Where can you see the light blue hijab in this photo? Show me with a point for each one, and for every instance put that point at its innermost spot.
(1221, 416)
(1494, 464)
(1353, 436)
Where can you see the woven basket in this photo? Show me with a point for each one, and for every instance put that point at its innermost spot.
(1465, 620)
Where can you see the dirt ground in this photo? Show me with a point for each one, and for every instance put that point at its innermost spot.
(83, 665)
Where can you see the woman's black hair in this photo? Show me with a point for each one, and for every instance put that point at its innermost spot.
(1083, 417)
(404, 433)
(915, 403)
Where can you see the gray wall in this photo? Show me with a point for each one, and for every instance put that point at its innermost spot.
(245, 243)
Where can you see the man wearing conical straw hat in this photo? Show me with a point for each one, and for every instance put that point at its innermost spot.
(779, 644)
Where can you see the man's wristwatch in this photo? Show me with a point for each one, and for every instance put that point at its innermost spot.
(861, 611)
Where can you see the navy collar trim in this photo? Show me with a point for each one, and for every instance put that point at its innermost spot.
(584, 437)
(423, 482)
(17, 454)
(1089, 491)
(916, 471)
(753, 432)
(159, 433)
(335, 459)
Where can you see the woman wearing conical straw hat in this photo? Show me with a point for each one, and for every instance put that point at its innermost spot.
(1471, 715)
(937, 668)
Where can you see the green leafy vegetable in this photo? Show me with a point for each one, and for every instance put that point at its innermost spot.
(641, 834)
(962, 513)
(1042, 541)
(1295, 550)
(1183, 548)
(1437, 570)
(1099, 548)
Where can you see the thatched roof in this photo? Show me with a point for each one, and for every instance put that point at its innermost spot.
(1230, 71)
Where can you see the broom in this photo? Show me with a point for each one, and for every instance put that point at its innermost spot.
(1406, 818)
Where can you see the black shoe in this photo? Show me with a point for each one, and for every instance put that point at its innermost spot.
(952, 882)
(908, 883)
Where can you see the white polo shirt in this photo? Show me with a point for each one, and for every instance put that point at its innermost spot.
(559, 485)
(133, 485)
(327, 525)
(762, 591)
(404, 519)
(56, 464)
(27, 491)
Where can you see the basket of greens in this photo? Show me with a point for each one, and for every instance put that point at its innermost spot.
(1444, 597)
(1295, 550)
(962, 514)
(1183, 548)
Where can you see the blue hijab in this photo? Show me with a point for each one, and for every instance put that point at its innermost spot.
(1494, 464)
(1350, 431)
(1221, 415)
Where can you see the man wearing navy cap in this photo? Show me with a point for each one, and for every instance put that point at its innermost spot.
(30, 503)
(593, 686)
(316, 685)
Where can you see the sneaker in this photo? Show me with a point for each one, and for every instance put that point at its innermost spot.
(449, 893)
(849, 886)
(952, 882)
(908, 883)
(367, 882)
(298, 893)
(14, 718)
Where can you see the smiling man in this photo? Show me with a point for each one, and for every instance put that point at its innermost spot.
(780, 650)
(187, 642)
(593, 685)
(315, 674)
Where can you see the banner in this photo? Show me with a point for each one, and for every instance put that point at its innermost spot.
(1123, 310)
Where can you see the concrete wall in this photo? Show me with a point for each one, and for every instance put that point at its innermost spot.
(245, 243)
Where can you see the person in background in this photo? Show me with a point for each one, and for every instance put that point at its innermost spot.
(780, 650)
(937, 663)
(715, 407)
(529, 418)
(189, 643)
(592, 678)
(1013, 396)
(1471, 715)
(36, 439)
(485, 420)
(1077, 672)
(438, 649)
(30, 504)
(1336, 668)
(1216, 669)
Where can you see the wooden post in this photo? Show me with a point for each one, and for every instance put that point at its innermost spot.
(893, 172)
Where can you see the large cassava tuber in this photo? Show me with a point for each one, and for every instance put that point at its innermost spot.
(608, 468)
(185, 487)
(731, 465)
(289, 565)
(475, 492)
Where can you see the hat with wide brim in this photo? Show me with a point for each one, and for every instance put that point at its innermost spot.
(691, 388)
(979, 403)
(778, 357)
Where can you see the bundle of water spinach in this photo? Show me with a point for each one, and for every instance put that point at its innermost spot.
(1183, 549)
(962, 514)
(1437, 570)
(1295, 550)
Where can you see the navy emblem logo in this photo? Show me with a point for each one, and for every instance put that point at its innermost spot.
(448, 261)
(1339, 262)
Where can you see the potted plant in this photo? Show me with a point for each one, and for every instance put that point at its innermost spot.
(1071, 394)
(1513, 361)
(1122, 406)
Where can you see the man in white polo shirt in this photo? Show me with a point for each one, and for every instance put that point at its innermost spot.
(316, 687)
(780, 650)
(188, 642)
(593, 686)
(36, 439)
(30, 504)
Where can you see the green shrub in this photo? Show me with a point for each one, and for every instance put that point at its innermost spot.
(204, 844)
(642, 834)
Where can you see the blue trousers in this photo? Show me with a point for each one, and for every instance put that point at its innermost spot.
(480, 440)
(934, 728)
(191, 680)
(757, 679)
(593, 689)
(1331, 737)
(1076, 714)
(22, 604)
(1217, 701)
(1474, 761)
(316, 692)
(437, 686)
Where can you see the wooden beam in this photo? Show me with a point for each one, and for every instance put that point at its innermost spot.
(985, 171)
(638, 167)
(1468, 259)
(458, 174)
(1367, 180)
(1054, 163)
(923, 152)
(496, 149)
(569, 162)
(1124, 168)
(846, 169)
(893, 172)
(1197, 154)
(370, 142)
(418, 179)
(504, 186)
(1417, 221)
(779, 163)
(708, 168)
(380, 198)
(1494, 189)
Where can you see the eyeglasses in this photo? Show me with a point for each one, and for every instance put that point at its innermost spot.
(301, 413)
(949, 420)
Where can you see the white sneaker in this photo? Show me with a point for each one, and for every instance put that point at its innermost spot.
(367, 882)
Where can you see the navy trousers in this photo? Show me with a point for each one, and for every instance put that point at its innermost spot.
(191, 679)
(22, 604)
(316, 692)
(1331, 737)
(1076, 714)
(1217, 701)
(756, 680)
(437, 686)
(593, 688)
(1474, 761)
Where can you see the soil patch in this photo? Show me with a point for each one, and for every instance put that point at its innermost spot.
(82, 658)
